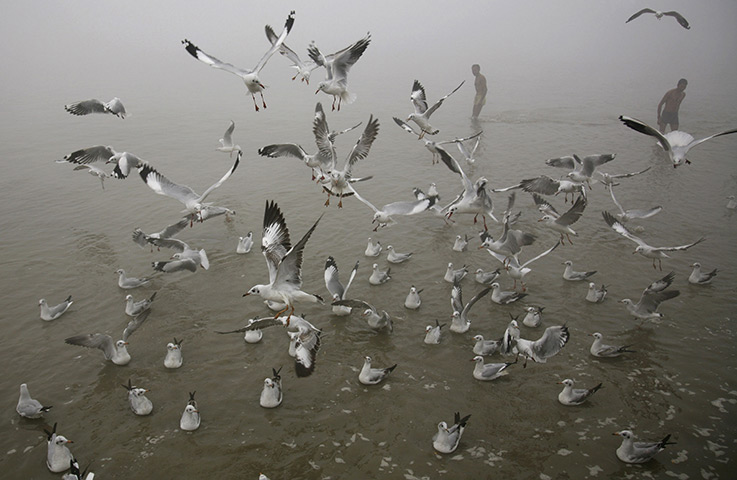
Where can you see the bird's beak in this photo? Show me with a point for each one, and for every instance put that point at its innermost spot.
(318, 91)
(125, 343)
(69, 441)
(634, 252)
(539, 219)
(246, 294)
(615, 433)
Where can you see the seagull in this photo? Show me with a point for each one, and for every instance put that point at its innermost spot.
(304, 69)
(284, 262)
(504, 297)
(731, 203)
(133, 308)
(506, 346)
(396, 257)
(461, 243)
(226, 143)
(513, 267)
(413, 300)
(547, 186)
(307, 339)
(436, 148)
(139, 403)
(193, 202)
(581, 168)
(186, 258)
(335, 288)
(600, 349)
(658, 14)
(608, 179)
(85, 107)
(271, 393)
(113, 351)
(29, 407)
(173, 357)
(58, 456)
(421, 115)
(127, 283)
(639, 452)
(250, 77)
(573, 276)
(383, 217)
(675, 143)
(339, 181)
(574, 396)
(143, 239)
(489, 371)
(595, 295)
(432, 334)
(245, 244)
(699, 278)
(337, 66)
(627, 215)
(190, 420)
(485, 347)
(533, 317)
(52, 313)
(372, 249)
(509, 243)
(124, 161)
(647, 251)
(486, 278)
(95, 172)
(474, 199)
(455, 276)
(469, 156)
(372, 376)
(448, 438)
(562, 224)
(651, 298)
(375, 319)
(552, 341)
(460, 323)
(378, 277)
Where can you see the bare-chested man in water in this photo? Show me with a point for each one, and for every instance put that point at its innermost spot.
(670, 104)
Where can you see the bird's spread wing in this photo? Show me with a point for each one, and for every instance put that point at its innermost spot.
(407, 128)
(344, 61)
(679, 18)
(225, 177)
(681, 247)
(208, 59)
(332, 282)
(702, 140)
(542, 184)
(85, 107)
(574, 213)
(406, 208)
(289, 270)
(662, 284)
(590, 162)
(358, 304)
(94, 340)
(437, 104)
(227, 139)
(163, 186)
(418, 98)
(621, 229)
(97, 153)
(541, 255)
(650, 301)
(363, 145)
(635, 15)
(275, 241)
(544, 206)
(552, 341)
(135, 322)
(562, 162)
(275, 46)
(169, 242)
(283, 150)
(643, 127)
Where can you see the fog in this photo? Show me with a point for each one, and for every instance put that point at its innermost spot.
(61, 51)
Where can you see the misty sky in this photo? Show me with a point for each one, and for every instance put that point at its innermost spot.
(76, 49)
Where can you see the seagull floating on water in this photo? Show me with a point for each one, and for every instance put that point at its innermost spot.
(373, 249)
(134, 308)
(489, 371)
(29, 407)
(244, 244)
(115, 351)
(639, 452)
(271, 393)
(372, 376)
(446, 440)
(485, 347)
(49, 313)
(127, 283)
(504, 297)
(250, 77)
(413, 300)
(139, 403)
(173, 357)
(432, 334)
(595, 295)
(379, 277)
(533, 317)
(573, 276)
(697, 277)
(575, 396)
(602, 350)
(58, 456)
(396, 257)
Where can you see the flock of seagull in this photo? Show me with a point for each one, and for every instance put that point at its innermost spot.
(284, 258)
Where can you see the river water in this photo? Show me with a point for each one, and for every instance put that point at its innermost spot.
(63, 234)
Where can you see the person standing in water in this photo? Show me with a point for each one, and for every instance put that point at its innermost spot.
(480, 83)
(670, 104)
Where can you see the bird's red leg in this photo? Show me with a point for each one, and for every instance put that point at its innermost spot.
(262, 99)
(333, 103)
(569, 239)
(254, 101)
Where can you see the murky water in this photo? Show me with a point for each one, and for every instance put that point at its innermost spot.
(62, 234)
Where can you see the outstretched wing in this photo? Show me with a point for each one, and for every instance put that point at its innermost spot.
(437, 104)
(363, 145)
(208, 59)
(289, 270)
(621, 229)
(278, 43)
(225, 177)
(275, 241)
(635, 15)
(642, 127)
(85, 107)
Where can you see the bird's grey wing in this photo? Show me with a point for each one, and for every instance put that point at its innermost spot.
(169, 242)
(363, 145)
(418, 97)
(163, 186)
(208, 59)
(614, 199)
(97, 153)
(574, 213)
(562, 162)
(308, 345)
(456, 297)
(650, 301)
(632, 174)
(85, 107)
(225, 177)
(681, 247)
(343, 62)
(662, 284)
(321, 131)
(552, 341)
(283, 150)
(644, 213)
(94, 340)
(702, 140)
(635, 15)
(406, 208)
(175, 265)
(133, 325)
(257, 324)
(363, 200)
(228, 135)
(542, 184)
(332, 282)
(452, 164)
(557, 244)
(350, 278)
(437, 104)
(679, 17)
(355, 304)
(590, 162)
(475, 299)
(275, 46)
(174, 228)
(617, 226)
(545, 206)
(406, 127)
(642, 127)
(115, 106)
(125, 163)
(283, 48)
(289, 270)
(275, 241)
